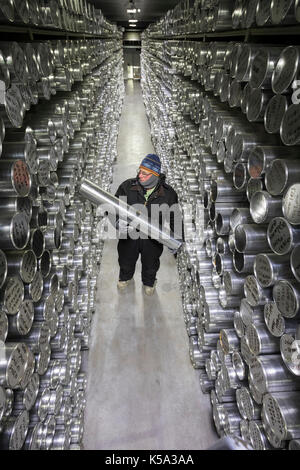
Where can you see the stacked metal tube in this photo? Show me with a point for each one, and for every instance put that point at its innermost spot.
(223, 121)
(203, 16)
(59, 122)
(78, 16)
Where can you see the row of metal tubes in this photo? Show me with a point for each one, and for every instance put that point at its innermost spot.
(224, 15)
(59, 15)
(53, 355)
(201, 357)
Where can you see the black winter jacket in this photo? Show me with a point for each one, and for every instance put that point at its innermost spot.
(163, 194)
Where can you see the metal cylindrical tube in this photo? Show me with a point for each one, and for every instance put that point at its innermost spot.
(270, 375)
(282, 237)
(26, 398)
(21, 323)
(222, 263)
(222, 223)
(238, 324)
(13, 109)
(251, 315)
(14, 232)
(228, 301)
(286, 295)
(233, 283)
(3, 325)
(15, 178)
(282, 12)
(294, 444)
(222, 246)
(256, 395)
(42, 361)
(263, 66)
(34, 290)
(52, 236)
(208, 294)
(3, 268)
(51, 283)
(239, 365)
(229, 340)
(215, 318)
(290, 349)
(289, 131)
(260, 340)
(39, 337)
(261, 157)
(210, 246)
(275, 110)
(257, 104)
(47, 154)
(14, 432)
(258, 438)
(275, 322)
(44, 263)
(37, 242)
(7, 11)
(240, 176)
(291, 204)
(286, 70)
(23, 150)
(280, 175)
(253, 186)
(295, 262)
(243, 263)
(248, 408)
(16, 204)
(12, 294)
(197, 357)
(206, 384)
(250, 238)
(283, 414)
(269, 268)
(222, 192)
(254, 293)
(13, 363)
(24, 264)
(240, 216)
(264, 207)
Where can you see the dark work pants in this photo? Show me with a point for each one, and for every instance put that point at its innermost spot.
(129, 251)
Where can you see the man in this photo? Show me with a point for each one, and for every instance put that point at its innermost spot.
(148, 189)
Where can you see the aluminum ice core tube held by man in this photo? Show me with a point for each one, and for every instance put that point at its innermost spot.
(141, 206)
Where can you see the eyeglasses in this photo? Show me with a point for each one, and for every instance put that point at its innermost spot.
(143, 173)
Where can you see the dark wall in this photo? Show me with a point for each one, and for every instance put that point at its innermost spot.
(131, 57)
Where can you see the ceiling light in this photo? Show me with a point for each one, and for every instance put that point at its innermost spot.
(132, 25)
(131, 10)
(133, 21)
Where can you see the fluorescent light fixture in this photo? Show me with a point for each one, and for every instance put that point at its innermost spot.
(131, 10)
(132, 25)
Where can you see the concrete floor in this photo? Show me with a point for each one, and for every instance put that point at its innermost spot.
(142, 390)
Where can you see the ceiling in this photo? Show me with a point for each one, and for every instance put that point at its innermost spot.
(151, 10)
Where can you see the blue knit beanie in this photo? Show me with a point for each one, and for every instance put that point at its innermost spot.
(152, 163)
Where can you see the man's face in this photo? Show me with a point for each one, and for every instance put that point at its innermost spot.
(144, 175)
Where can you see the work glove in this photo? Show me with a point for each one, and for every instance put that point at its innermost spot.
(174, 251)
(123, 227)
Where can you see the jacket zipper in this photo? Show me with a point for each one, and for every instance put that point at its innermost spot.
(146, 202)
